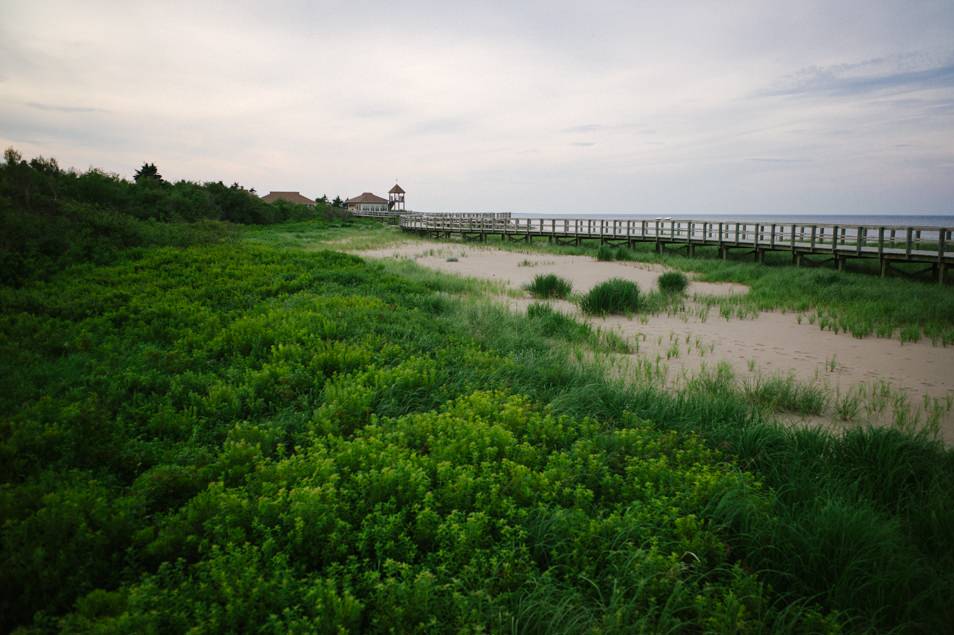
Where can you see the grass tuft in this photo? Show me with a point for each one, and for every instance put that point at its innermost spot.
(673, 282)
(786, 394)
(616, 296)
(549, 285)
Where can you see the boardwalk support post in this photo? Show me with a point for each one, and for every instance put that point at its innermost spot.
(941, 236)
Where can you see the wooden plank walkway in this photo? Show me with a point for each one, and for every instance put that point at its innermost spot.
(810, 244)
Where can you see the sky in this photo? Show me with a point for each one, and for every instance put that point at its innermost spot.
(565, 107)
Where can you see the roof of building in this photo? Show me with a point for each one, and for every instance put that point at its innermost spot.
(288, 197)
(396, 190)
(366, 197)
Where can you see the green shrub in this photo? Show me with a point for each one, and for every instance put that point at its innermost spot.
(549, 285)
(605, 252)
(673, 282)
(616, 296)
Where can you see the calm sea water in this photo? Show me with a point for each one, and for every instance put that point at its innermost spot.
(887, 220)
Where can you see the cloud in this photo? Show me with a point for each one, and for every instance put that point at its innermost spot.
(588, 127)
(687, 104)
(440, 126)
(777, 160)
(378, 112)
(56, 108)
(601, 128)
(862, 78)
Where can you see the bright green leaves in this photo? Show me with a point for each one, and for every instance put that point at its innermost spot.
(235, 437)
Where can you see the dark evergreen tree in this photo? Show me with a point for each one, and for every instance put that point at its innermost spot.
(148, 173)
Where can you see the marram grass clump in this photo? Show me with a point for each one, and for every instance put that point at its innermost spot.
(673, 282)
(606, 253)
(616, 296)
(549, 285)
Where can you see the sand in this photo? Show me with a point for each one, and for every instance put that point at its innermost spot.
(518, 269)
(770, 343)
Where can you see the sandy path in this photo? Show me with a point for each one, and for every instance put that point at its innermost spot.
(769, 344)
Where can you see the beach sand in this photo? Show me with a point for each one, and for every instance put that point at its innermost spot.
(771, 343)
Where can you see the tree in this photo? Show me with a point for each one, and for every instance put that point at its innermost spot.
(12, 157)
(337, 202)
(148, 173)
(19, 175)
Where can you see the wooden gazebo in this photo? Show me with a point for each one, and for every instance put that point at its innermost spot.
(396, 198)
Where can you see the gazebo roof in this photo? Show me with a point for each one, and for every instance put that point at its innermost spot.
(289, 197)
(366, 197)
(396, 190)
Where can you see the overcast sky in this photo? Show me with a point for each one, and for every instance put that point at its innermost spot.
(653, 107)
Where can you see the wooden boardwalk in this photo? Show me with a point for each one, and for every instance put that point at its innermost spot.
(391, 213)
(809, 244)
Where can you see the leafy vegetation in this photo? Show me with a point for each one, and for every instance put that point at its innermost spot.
(612, 296)
(549, 285)
(234, 437)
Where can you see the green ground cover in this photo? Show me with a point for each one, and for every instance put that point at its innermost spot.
(341, 235)
(233, 438)
(251, 435)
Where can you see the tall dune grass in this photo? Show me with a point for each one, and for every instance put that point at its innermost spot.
(549, 285)
(614, 296)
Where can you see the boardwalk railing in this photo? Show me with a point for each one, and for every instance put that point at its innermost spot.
(390, 213)
(932, 246)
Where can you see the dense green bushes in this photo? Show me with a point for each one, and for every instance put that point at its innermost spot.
(51, 217)
(231, 437)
